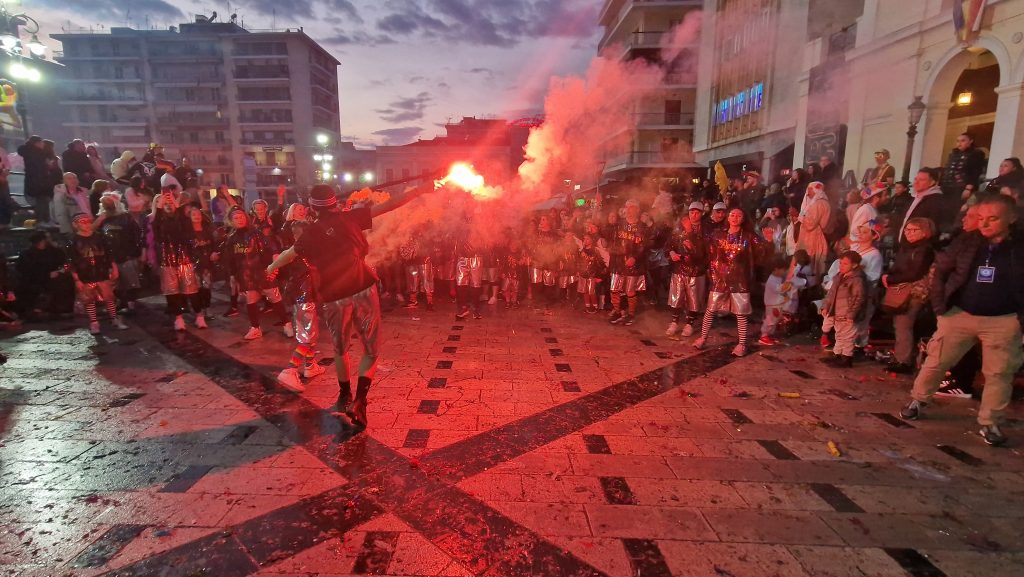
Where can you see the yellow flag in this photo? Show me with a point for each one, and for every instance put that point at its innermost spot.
(721, 178)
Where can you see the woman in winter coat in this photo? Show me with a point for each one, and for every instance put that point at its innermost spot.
(121, 166)
(69, 199)
(914, 258)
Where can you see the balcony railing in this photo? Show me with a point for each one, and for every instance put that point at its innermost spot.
(674, 119)
(177, 140)
(641, 158)
(264, 141)
(261, 72)
(103, 97)
(193, 119)
(189, 78)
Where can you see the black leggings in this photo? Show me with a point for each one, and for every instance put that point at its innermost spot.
(178, 304)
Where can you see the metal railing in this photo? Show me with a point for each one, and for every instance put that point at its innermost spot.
(650, 157)
(664, 118)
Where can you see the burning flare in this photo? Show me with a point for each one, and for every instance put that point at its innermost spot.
(463, 176)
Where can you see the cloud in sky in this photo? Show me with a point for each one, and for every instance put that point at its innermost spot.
(114, 10)
(399, 135)
(406, 109)
(501, 23)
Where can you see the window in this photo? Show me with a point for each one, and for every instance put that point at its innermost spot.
(218, 137)
(193, 137)
(389, 174)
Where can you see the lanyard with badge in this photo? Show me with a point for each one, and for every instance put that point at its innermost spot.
(986, 273)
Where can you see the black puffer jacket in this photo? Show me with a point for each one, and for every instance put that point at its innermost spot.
(913, 259)
(963, 167)
(953, 268)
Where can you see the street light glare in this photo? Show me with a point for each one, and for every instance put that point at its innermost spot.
(368, 176)
(326, 166)
(22, 72)
(318, 157)
(322, 139)
(347, 177)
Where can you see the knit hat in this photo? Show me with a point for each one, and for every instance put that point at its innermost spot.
(696, 206)
(322, 196)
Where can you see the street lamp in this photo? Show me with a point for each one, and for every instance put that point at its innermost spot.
(347, 177)
(322, 139)
(915, 112)
(10, 32)
(367, 176)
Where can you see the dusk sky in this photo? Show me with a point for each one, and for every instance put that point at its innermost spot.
(407, 66)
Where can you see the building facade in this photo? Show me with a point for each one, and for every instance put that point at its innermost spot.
(244, 107)
(909, 50)
(747, 105)
(659, 150)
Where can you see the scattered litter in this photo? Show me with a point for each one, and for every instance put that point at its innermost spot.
(833, 449)
(162, 533)
(741, 395)
(415, 318)
(384, 546)
(790, 395)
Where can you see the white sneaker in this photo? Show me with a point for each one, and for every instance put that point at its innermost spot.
(94, 328)
(493, 301)
(739, 351)
(672, 329)
(289, 330)
(289, 379)
(699, 343)
(119, 324)
(201, 322)
(253, 334)
(179, 323)
(687, 330)
(313, 370)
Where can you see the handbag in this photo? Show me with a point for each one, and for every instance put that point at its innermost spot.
(897, 298)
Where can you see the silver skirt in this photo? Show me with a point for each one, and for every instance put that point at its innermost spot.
(566, 280)
(539, 275)
(179, 280)
(469, 271)
(735, 303)
(687, 292)
(306, 322)
(628, 284)
(420, 277)
(588, 286)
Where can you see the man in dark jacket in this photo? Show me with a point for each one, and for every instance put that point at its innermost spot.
(964, 166)
(74, 159)
(37, 176)
(42, 278)
(977, 294)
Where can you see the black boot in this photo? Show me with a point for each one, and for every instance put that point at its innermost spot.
(358, 411)
(843, 362)
(344, 396)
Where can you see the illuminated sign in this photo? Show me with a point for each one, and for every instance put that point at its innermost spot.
(740, 104)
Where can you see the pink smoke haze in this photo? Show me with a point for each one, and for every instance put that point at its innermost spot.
(586, 120)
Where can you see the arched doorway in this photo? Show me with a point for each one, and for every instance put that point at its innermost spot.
(983, 70)
(973, 102)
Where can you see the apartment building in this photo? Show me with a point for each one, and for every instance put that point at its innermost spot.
(660, 148)
(245, 106)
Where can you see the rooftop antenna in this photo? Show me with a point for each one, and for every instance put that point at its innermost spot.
(273, 19)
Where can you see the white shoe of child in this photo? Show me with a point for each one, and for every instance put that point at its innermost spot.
(253, 334)
(289, 379)
(179, 323)
(313, 370)
(201, 321)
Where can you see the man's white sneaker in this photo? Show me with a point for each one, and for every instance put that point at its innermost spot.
(94, 328)
(289, 379)
(687, 330)
(312, 370)
(119, 324)
(253, 334)
(289, 330)
(672, 329)
(179, 323)
(493, 301)
(201, 322)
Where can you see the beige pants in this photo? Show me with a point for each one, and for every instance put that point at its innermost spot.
(1000, 358)
(846, 334)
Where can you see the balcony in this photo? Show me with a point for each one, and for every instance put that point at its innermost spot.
(255, 141)
(616, 11)
(651, 159)
(175, 139)
(104, 98)
(663, 120)
(189, 79)
(270, 72)
(182, 119)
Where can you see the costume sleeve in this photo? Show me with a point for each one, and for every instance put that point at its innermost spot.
(363, 217)
(816, 217)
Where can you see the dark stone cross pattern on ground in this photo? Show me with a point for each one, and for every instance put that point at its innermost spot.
(422, 493)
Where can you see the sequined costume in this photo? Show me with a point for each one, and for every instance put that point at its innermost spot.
(732, 257)
(629, 242)
(174, 253)
(688, 285)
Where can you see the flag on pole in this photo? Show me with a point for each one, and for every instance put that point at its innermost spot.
(721, 178)
(967, 17)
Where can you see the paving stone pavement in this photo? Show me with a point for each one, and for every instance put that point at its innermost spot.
(520, 444)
